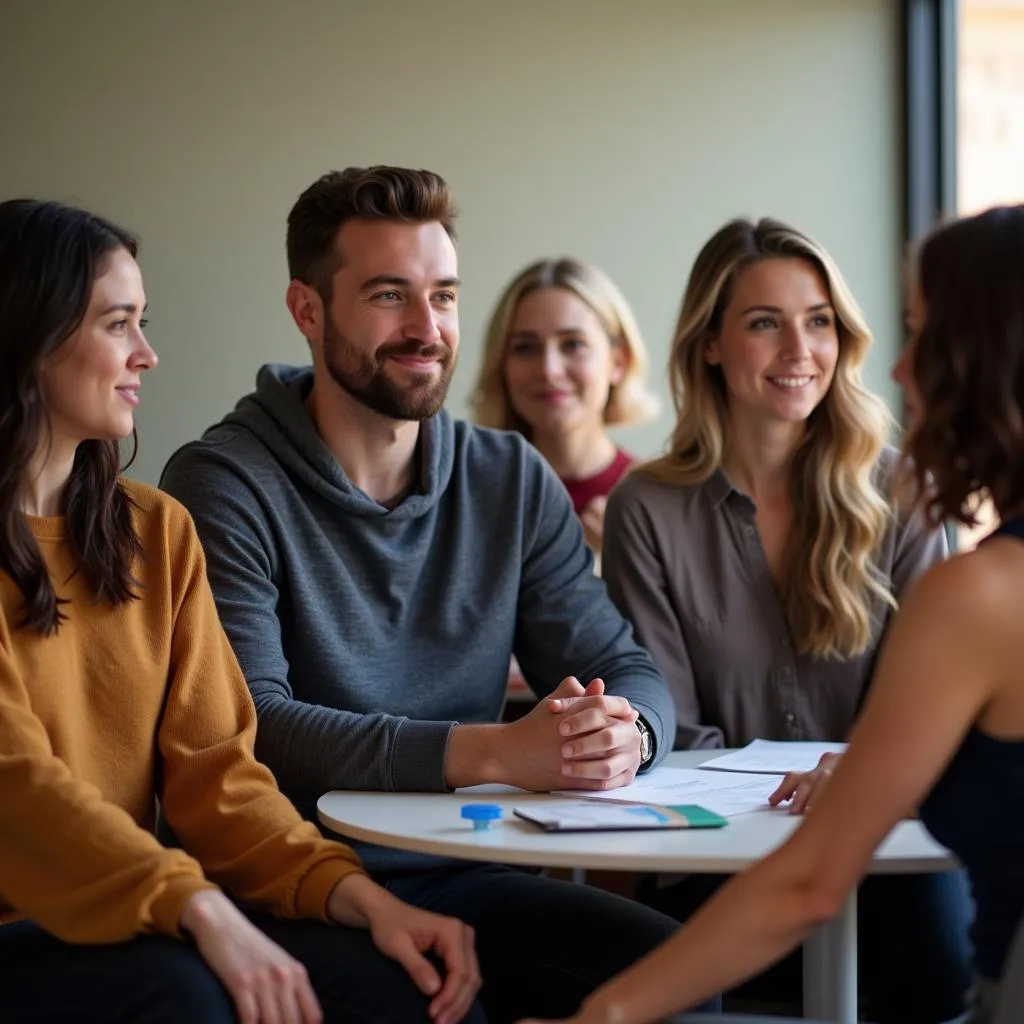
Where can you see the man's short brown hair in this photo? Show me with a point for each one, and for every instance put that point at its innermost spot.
(359, 193)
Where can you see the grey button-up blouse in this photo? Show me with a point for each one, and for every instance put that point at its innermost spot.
(685, 565)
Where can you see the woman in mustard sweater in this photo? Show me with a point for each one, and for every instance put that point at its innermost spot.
(118, 688)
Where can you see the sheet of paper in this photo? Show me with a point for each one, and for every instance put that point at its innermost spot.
(773, 757)
(725, 794)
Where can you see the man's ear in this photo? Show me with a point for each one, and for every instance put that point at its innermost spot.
(307, 310)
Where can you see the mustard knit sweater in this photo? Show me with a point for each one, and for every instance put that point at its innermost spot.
(124, 705)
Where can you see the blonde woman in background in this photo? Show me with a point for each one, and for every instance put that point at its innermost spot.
(762, 559)
(563, 362)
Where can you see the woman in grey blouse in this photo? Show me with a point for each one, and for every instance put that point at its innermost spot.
(761, 560)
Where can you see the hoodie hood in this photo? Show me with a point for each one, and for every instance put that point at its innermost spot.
(276, 414)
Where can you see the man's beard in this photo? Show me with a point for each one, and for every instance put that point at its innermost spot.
(365, 377)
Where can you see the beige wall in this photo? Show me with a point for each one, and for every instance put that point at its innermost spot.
(624, 132)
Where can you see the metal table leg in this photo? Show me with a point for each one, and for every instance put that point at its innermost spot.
(830, 968)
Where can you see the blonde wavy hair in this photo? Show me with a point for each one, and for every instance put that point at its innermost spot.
(629, 401)
(831, 579)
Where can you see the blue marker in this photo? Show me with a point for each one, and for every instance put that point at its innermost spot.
(481, 815)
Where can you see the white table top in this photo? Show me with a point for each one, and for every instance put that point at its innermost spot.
(430, 823)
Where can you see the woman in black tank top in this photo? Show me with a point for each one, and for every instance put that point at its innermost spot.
(943, 726)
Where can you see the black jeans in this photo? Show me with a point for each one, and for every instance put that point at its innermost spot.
(543, 945)
(913, 954)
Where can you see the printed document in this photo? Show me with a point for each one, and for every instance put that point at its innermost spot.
(725, 794)
(773, 757)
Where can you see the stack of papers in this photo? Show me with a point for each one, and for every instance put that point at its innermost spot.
(773, 757)
(729, 785)
(725, 794)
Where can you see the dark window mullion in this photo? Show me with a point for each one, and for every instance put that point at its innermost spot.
(930, 53)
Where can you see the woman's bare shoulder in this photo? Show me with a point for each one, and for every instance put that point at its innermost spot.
(978, 590)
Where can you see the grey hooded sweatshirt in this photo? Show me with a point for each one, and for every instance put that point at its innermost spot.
(366, 634)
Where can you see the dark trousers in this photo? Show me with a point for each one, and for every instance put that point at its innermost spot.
(543, 945)
(913, 948)
(157, 980)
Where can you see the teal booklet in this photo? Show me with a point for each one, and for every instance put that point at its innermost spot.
(595, 816)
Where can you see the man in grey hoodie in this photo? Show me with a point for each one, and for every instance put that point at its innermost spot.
(376, 563)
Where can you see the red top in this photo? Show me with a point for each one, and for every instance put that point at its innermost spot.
(600, 485)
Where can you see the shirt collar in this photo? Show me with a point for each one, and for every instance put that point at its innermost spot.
(719, 487)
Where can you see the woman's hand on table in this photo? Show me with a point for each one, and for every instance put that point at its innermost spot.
(801, 789)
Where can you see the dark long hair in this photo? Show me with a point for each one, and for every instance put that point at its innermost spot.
(50, 255)
(968, 365)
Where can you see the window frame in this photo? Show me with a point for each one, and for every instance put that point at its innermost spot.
(930, 120)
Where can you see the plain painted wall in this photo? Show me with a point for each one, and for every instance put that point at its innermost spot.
(621, 132)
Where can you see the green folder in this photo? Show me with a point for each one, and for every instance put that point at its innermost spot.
(699, 817)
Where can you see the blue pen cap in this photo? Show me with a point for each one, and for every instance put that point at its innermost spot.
(481, 815)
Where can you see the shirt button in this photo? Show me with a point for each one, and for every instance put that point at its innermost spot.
(749, 530)
(790, 718)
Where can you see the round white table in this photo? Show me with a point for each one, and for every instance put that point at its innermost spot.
(430, 823)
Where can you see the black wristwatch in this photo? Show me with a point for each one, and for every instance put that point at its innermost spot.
(646, 742)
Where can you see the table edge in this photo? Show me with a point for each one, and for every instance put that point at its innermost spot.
(597, 860)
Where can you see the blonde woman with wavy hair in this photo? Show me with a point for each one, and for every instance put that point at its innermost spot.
(763, 557)
(563, 362)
